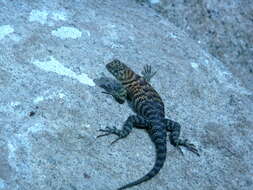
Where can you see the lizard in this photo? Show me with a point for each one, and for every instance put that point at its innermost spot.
(149, 114)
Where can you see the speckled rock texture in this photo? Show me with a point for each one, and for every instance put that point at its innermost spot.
(224, 28)
(50, 108)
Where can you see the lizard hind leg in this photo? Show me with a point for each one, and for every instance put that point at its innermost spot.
(174, 129)
(132, 121)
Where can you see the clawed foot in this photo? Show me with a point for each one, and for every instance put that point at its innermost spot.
(111, 130)
(119, 99)
(147, 73)
(106, 92)
(109, 91)
(191, 147)
(108, 131)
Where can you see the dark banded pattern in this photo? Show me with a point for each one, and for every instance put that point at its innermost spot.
(149, 107)
(147, 103)
(174, 128)
(159, 139)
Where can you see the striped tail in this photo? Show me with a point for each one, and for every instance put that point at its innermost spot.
(160, 159)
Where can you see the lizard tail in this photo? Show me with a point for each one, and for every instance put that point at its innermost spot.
(160, 159)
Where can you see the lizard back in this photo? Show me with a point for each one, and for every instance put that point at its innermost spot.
(146, 102)
(143, 98)
(149, 109)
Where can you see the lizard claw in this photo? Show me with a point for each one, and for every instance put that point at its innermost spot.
(116, 140)
(106, 134)
(103, 130)
(109, 131)
(147, 69)
(105, 92)
(180, 150)
(147, 72)
(191, 147)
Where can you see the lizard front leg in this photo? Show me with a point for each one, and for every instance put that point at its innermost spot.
(119, 94)
(132, 121)
(174, 129)
(147, 73)
(112, 87)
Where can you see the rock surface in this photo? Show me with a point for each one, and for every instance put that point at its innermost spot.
(224, 28)
(51, 109)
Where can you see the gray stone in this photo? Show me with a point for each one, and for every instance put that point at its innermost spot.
(224, 28)
(51, 109)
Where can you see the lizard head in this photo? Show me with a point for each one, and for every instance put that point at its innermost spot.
(118, 69)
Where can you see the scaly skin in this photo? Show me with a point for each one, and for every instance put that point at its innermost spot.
(149, 109)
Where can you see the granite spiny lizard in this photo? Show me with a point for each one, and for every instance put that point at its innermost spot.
(149, 109)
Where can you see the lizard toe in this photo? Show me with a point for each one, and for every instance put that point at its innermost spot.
(191, 147)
